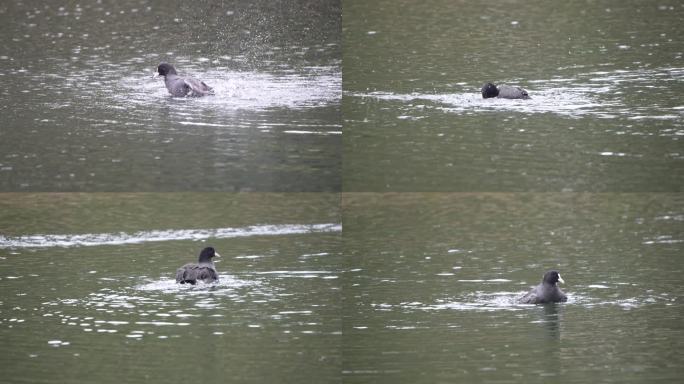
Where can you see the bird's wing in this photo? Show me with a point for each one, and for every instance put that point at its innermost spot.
(176, 85)
(187, 272)
(530, 297)
(198, 87)
(206, 274)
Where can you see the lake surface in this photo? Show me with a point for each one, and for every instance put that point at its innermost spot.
(88, 288)
(433, 280)
(605, 80)
(394, 252)
(83, 113)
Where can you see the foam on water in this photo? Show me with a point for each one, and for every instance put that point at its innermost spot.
(600, 94)
(508, 301)
(225, 282)
(242, 99)
(305, 88)
(139, 307)
(97, 239)
(156, 304)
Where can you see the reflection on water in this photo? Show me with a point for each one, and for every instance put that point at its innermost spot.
(434, 279)
(316, 87)
(86, 114)
(586, 132)
(604, 80)
(97, 239)
(163, 303)
(601, 94)
(87, 282)
(508, 301)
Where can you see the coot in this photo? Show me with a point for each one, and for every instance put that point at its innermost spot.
(503, 91)
(204, 270)
(182, 86)
(547, 291)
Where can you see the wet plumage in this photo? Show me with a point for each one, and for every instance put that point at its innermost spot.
(203, 270)
(547, 291)
(490, 90)
(182, 86)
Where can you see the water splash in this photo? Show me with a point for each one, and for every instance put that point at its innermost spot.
(507, 301)
(225, 282)
(307, 88)
(600, 94)
(161, 303)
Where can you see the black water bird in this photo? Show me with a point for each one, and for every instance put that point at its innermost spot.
(503, 91)
(204, 270)
(182, 86)
(547, 291)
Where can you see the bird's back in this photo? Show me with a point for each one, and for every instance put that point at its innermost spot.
(186, 86)
(191, 273)
(531, 297)
(198, 87)
(176, 85)
(543, 294)
(509, 92)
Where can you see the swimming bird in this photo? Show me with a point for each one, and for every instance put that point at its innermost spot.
(182, 86)
(547, 291)
(503, 91)
(204, 270)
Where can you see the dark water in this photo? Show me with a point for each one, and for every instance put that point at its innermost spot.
(433, 281)
(83, 113)
(89, 292)
(604, 79)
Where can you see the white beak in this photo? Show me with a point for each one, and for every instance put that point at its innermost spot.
(560, 279)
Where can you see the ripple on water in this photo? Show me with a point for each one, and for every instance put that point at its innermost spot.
(226, 282)
(301, 274)
(311, 87)
(98, 239)
(600, 94)
(508, 301)
(153, 305)
(124, 85)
